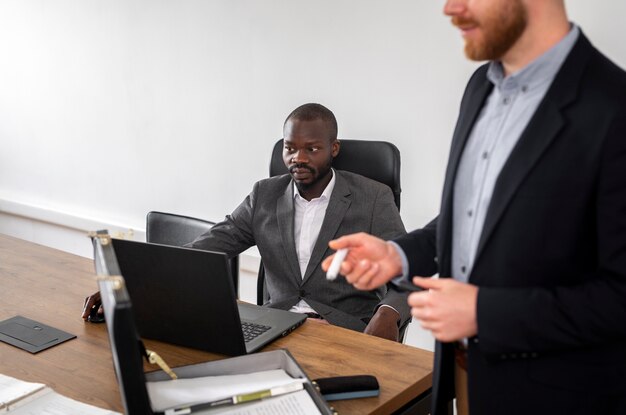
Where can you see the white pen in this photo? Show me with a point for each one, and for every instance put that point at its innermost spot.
(335, 265)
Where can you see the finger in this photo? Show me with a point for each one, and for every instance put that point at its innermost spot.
(89, 303)
(346, 267)
(367, 280)
(348, 241)
(432, 326)
(358, 271)
(419, 299)
(428, 283)
(85, 307)
(423, 314)
(326, 263)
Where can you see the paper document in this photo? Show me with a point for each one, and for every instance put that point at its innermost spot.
(13, 390)
(175, 393)
(18, 397)
(297, 403)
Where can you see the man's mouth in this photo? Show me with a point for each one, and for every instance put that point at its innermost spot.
(466, 26)
(301, 172)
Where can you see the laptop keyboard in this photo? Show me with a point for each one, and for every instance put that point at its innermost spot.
(252, 330)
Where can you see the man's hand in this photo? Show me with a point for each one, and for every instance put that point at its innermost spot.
(91, 302)
(384, 324)
(447, 308)
(370, 263)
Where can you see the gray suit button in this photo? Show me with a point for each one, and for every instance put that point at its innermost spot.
(301, 293)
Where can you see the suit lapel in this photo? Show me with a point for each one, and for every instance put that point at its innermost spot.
(284, 218)
(476, 96)
(540, 132)
(337, 207)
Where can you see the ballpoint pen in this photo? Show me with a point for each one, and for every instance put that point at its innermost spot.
(239, 399)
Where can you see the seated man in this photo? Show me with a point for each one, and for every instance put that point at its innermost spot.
(291, 219)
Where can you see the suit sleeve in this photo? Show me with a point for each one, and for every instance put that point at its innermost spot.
(573, 316)
(235, 233)
(420, 247)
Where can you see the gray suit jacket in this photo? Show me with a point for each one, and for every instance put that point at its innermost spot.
(265, 219)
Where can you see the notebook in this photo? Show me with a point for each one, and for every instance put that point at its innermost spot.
(186, 297)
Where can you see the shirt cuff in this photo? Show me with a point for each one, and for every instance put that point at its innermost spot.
(405, 262)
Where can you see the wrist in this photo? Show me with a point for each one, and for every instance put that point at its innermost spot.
(394, 258)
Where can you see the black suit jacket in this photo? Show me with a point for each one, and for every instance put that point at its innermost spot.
(551, 260)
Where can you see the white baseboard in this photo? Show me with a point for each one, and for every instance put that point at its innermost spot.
(58, 229)
(68, 231)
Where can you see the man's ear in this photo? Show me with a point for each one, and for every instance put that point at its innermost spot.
(336, 146)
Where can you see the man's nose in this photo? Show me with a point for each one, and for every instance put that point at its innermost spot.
(299, 157)
(454, 7)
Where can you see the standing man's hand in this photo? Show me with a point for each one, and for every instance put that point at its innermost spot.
(384, 324)
(446, 307)
(370, 263)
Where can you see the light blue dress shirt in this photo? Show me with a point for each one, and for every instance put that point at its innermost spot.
(505, 115)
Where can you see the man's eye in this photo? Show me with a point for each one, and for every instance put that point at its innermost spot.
(314, 149)
(289, 149)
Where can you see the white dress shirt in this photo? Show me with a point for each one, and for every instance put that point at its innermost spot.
(307, 223)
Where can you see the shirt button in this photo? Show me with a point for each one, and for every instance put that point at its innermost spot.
(505, 101)
(470, 213)
(463, 269)
(485, 155)
(524, 88)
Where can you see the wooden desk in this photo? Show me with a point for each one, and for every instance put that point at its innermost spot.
(49, 286)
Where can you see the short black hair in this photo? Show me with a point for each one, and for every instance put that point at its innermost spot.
(312, 112)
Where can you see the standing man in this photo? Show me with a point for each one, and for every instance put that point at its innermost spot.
(530, 243)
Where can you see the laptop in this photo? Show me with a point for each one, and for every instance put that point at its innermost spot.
(186, 297)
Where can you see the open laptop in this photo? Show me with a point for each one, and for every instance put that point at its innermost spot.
(186, 296)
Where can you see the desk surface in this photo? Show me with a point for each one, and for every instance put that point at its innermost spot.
(49, 286)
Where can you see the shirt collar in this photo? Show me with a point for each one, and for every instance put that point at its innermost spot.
(325, 194)
(540, 71)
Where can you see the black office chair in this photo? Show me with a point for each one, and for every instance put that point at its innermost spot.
(177, 230)
(377, 160)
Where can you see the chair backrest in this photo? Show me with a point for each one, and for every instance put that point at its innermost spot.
(376, 160)
(177, 230)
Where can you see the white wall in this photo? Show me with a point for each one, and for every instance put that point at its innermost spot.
(109, 109)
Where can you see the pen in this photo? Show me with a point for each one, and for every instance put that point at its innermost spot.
(238, 399)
